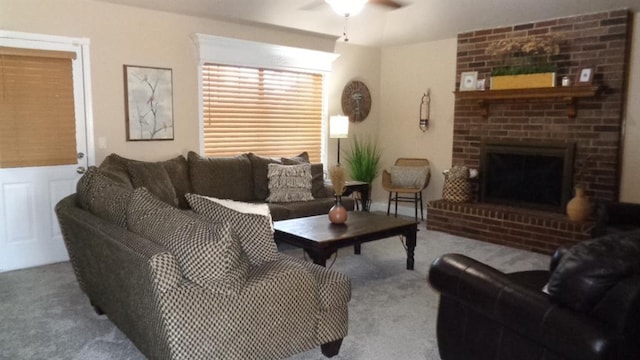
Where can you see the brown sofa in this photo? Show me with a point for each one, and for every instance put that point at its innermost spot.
(240, 178)
(206, 283)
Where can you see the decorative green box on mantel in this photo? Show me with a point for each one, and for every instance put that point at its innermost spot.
(525, 81)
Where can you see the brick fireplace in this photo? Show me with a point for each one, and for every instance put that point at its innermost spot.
(599, 41)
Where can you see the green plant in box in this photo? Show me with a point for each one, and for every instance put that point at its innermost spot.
(363, 160)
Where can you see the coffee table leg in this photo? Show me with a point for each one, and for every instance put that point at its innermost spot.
(319, 257)
(410, 238)
(356, 249)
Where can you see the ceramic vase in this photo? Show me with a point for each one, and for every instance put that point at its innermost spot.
(579, 208)
(337, 213)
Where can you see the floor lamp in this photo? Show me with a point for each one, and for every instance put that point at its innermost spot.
(339, 129)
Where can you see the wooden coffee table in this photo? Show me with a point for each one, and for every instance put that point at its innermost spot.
(320, 238)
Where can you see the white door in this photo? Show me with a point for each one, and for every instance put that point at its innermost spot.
(29, 231)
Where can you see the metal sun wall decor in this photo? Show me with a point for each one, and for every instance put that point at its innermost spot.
(148, 103)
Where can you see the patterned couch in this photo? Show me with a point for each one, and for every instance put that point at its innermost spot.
(204, 283)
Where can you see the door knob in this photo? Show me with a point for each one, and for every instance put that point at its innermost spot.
(81, 170)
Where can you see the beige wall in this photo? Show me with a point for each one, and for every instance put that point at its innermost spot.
(355, 63)
(407, 73)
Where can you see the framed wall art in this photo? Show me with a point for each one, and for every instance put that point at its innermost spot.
(148, 95)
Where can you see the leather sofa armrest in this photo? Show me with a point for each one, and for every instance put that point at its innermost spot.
(487, 291)
(615, 214)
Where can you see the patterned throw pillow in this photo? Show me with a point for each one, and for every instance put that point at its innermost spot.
(409, 177)
(208, 252)
(288, 183)
(251, 222)
(103, 196)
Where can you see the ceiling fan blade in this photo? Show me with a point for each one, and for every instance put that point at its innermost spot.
(387, 3)
(313, 5)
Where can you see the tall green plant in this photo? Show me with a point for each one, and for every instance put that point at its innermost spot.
(363, 160)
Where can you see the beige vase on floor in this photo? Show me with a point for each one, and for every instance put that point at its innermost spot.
(579, 208)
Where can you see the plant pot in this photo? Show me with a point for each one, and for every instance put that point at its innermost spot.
(579, 208)
(338, 213)
(525, 81)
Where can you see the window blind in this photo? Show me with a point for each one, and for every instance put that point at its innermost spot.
(37, 117)
(269, 112)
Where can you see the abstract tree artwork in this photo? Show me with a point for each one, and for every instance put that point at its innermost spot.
(148, 103)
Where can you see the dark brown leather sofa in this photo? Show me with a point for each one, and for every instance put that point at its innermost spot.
(591, 310)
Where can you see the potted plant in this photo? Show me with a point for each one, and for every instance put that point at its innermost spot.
(363, 161)
(524, 62)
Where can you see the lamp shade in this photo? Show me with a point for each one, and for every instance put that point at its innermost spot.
(347, 7)
(339, 127)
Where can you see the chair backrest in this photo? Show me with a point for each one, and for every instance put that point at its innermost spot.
(412, 162)
(417, 162)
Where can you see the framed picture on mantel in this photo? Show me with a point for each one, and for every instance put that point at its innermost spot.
(468, 81)
(585, 77)
(148, 99)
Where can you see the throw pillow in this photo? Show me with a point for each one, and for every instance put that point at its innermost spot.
(288, 183)
(155, 178)
(222, 177)
(318, 189)
(178, 170)
(102, 196)
(302, 158)
(260, 165)
(114, 166)
(590, 268)
(409, 177)
(117, 168)
(208, 252)
(251, 222)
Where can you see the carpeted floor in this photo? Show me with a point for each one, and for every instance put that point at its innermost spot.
(392, 313)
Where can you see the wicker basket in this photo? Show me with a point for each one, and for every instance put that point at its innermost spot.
(457, 187)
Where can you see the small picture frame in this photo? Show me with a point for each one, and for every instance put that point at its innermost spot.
(148, 101)
(468, 81)
(584, 77)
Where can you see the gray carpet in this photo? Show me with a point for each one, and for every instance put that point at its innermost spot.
(392, 313)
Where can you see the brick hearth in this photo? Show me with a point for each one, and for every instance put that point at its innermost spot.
(521, 228)
(599, 41)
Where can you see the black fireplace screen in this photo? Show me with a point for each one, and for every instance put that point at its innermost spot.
(537, 175)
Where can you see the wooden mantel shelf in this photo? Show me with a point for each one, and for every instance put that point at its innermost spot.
(569, 95)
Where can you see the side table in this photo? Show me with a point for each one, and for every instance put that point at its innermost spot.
(361, 187)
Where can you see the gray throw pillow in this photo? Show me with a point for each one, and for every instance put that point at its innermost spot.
(155, 178)
(318, 189)
(260, 165)
(114, 166)
(288, 183)
(409, 177)
(253, 228)
(302, 158)
(117, 168)
(208, 252)
(222, 177)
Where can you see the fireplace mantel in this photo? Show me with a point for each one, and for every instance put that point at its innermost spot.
(568, 95)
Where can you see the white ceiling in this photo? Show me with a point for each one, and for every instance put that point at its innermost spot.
(417, 21)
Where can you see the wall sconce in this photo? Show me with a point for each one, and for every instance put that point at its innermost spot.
(425, 104)
(339, 129)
